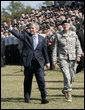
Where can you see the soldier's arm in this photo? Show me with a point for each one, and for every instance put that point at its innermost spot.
(54, 53)
(78, 47)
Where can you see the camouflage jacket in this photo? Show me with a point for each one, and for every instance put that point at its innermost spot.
(67, 46)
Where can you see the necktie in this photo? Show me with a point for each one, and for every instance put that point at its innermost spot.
(35, 42)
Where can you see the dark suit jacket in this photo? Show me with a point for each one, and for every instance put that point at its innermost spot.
(28, 51)
(81, 38)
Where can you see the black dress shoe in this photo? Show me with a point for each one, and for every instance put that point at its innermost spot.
(44, 101)
(27, 101)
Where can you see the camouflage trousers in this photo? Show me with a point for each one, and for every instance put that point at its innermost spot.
(68, 69)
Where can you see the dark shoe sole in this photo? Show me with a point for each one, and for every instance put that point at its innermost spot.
(45, 102)
(27, 101)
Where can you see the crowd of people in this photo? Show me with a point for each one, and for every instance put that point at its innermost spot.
(50, 21)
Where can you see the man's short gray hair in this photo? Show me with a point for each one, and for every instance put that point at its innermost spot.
(36, 25)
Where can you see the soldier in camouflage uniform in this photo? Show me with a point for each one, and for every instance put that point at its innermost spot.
(68, 48)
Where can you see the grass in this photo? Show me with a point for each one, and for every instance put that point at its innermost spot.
(12, 90)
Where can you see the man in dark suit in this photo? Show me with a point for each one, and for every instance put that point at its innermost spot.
(80, 33)
(34, 47)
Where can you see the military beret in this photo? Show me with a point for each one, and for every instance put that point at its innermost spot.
(26, 13)
(28, 25)
(65, 21)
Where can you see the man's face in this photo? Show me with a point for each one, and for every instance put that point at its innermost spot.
(33, 29)
(66, 26)
(6, 34)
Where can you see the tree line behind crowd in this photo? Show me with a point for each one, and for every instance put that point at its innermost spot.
(14, 10)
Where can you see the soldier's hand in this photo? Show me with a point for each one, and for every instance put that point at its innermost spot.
(47, 33)
(48, 66)
(82, 54)
(78, 59)
(9, 22)
(54, 63)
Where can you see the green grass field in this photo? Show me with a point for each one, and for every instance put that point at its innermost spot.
(12, 90)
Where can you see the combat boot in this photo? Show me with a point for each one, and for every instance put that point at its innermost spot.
(69, 97)
(65, 94)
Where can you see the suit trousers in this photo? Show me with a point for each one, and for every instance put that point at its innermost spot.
(36, 69)
(50, 49)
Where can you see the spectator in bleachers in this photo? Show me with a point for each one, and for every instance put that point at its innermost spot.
(2, 49)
